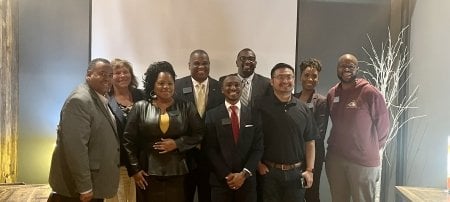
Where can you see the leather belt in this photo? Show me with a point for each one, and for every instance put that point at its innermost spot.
(282, 166)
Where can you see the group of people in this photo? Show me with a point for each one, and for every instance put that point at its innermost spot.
(243, 137)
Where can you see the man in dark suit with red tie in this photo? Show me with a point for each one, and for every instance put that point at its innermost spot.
(234, 146)
(204, 92)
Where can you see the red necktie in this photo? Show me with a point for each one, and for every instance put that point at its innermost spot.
(234, 123)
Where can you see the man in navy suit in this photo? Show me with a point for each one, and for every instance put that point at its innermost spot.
(234, 146)
(204, 92)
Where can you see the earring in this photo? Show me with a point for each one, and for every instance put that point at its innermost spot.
(153, 95)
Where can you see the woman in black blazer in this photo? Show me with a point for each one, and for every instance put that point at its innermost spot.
(158, 132)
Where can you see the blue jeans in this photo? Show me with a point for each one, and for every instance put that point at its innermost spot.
(279, 185)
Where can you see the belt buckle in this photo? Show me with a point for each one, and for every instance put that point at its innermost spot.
(284, 167)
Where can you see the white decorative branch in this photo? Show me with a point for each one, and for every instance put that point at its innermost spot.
(385, 71)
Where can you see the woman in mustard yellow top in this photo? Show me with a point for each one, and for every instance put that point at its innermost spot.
(158, 132)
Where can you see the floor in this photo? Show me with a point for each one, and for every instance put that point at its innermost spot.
(24, 193)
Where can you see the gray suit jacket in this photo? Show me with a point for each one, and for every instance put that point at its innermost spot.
(87, 149)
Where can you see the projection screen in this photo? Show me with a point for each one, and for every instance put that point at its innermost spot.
(145, 31)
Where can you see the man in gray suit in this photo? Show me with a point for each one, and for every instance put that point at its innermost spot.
(253, 85)
(85, 162)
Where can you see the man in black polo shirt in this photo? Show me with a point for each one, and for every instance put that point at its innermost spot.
(289, 134)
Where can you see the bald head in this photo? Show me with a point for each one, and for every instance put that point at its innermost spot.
(348, 58)
(347, 68)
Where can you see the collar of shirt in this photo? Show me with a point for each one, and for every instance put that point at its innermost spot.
(249, 79)
(310, 97)
(102, 98)
(238, 105)
(205, 82)
(291, 102)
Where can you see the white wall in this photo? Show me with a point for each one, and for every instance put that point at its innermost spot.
(427, 138)
(146, 31)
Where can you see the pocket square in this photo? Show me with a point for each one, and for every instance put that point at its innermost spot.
(248, 126)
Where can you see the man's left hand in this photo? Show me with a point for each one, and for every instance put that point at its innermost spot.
(308, 175)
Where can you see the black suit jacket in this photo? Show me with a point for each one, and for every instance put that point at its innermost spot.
(224, 154)
(260, 87)
(184, 89)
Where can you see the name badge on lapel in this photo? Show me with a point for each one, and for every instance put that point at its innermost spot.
(336, 99)
(310, 105)
(187, 90)
(226, 121)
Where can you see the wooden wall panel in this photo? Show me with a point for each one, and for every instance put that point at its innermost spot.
(8, 91)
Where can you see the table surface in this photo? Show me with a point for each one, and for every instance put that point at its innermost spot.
(27, 193)
(423, 193)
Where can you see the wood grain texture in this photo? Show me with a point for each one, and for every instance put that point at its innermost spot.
(423, 194)
(9, 91)
(29, 193)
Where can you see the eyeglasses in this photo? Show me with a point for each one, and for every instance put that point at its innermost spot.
(249, 58)
(350, 66)
(104, 74)
(284, 77)
(198, 64)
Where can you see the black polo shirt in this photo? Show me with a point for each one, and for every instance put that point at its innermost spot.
(286, 128)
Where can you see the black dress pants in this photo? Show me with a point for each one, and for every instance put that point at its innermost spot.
(54, 197)
(162, 189)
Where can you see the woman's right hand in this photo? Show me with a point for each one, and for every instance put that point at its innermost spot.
(139, 179)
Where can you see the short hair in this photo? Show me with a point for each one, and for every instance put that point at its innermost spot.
(199, 51)
(310, 62)
(117, 63)
(245, 49)
(152, 73)
(279, 66)
(93, 62)
(222, 79)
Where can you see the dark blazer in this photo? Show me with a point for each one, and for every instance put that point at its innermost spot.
(86, 155)
(142, 131)
(225, 156)
(184, 88)
(318, 105)
(260, 87)
(121, 120)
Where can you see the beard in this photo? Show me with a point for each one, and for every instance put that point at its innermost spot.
(351, 80)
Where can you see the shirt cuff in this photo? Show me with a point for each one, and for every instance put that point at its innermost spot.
(247, 171)
(85, 192)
